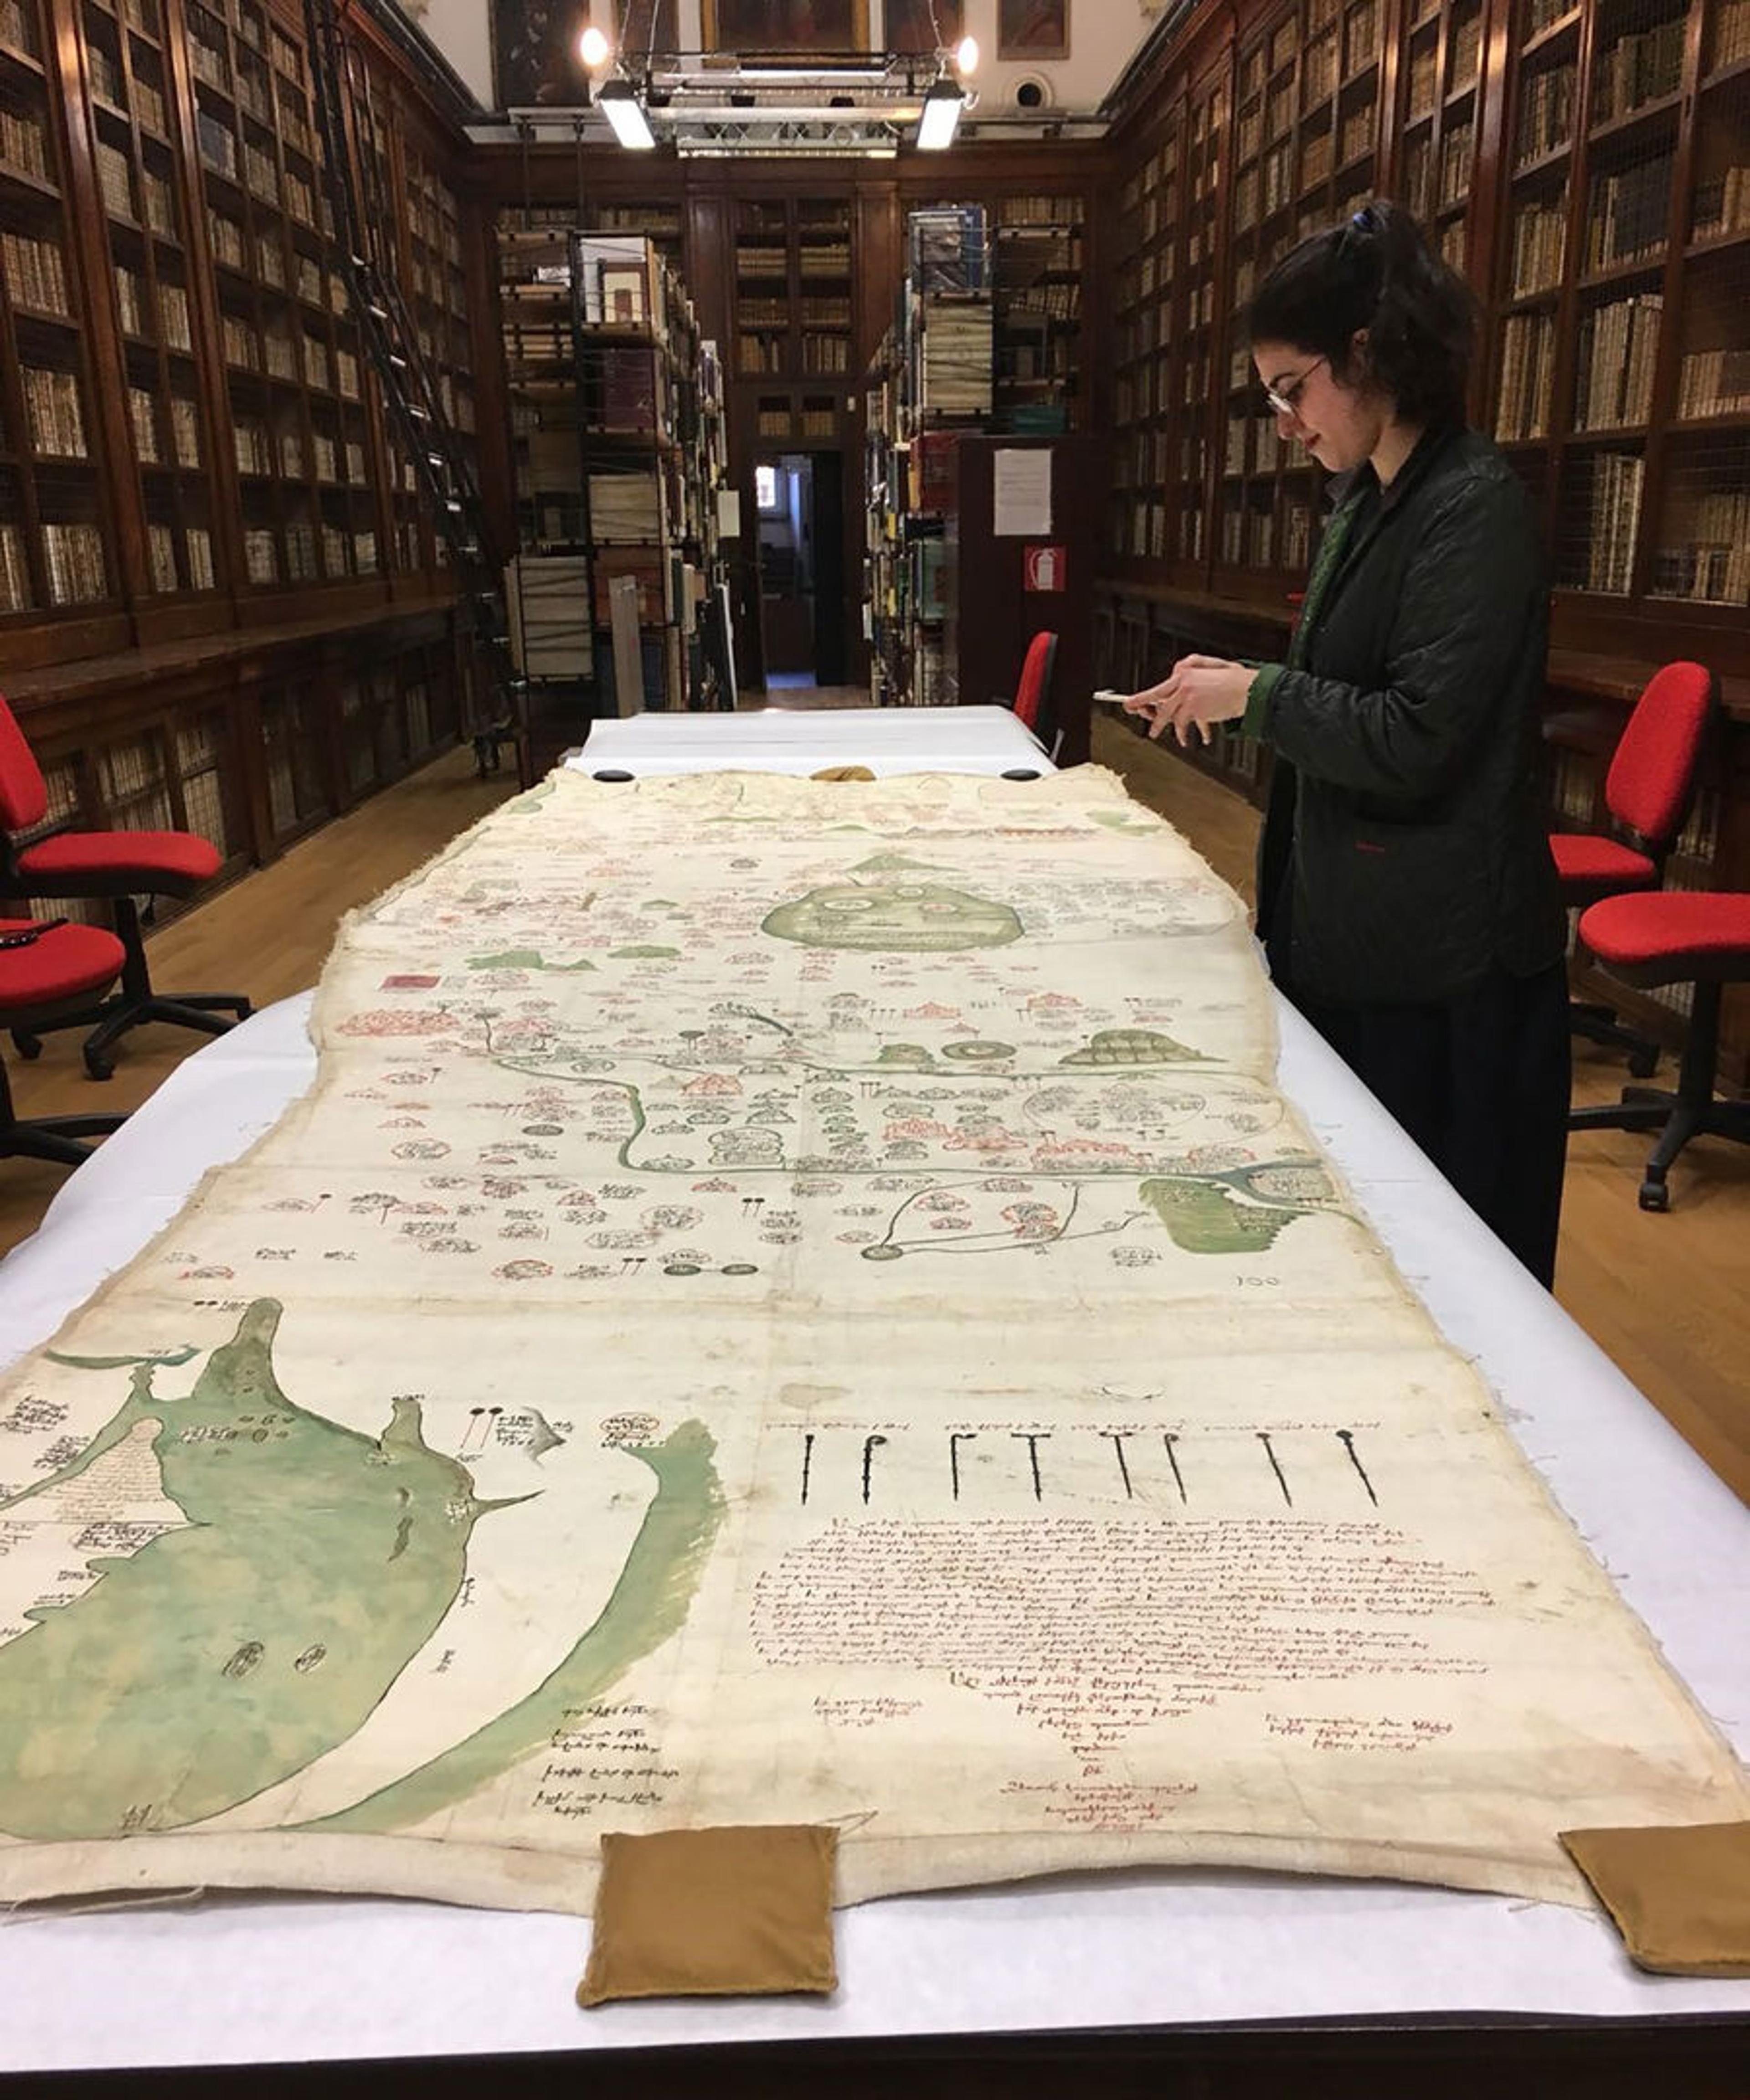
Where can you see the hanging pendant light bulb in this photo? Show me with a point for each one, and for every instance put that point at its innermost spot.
(593, 48)
(966, 57)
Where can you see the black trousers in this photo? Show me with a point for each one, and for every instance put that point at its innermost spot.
(1481, 1082)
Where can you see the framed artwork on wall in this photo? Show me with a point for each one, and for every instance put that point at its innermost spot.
(1033, 28)
(785, 26)
(919, 26)
(535, 64)
(647, 26)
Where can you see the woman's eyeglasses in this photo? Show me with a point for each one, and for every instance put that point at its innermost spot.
(1286, 400)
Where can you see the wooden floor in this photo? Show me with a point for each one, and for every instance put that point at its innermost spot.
(266, 936)
(1667, 1298)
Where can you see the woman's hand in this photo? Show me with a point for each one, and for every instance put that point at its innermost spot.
(1198, 691)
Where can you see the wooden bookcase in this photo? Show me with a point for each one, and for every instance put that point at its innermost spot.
(57, 545)
(220, 605)
(1587, 167)
(793, 299)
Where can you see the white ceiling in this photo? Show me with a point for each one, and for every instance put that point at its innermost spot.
(1103, 37)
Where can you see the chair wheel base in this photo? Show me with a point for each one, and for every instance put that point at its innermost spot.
(1642, 1064)
(27, 1047)
(99, 1067)
(1655, 1196)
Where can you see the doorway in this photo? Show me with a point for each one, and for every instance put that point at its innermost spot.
(798, 500)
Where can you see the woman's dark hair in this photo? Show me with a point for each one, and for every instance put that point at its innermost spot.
(1378, 272)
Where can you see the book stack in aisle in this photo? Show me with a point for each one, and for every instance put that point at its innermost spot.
(625, 507)
(956, 347)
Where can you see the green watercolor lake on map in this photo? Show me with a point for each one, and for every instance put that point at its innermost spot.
(227, 1654)
(1203, 1217)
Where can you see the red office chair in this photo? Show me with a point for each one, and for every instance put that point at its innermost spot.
(1674, 937)
(1033, 696)
(116, 866)
(1647, 792)
(46, 973)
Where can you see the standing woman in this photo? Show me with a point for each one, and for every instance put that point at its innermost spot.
(1406, 895)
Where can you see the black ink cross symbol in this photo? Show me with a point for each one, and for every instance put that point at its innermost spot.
(1345, 1437)
(1033, 1438)
(1115, 1437)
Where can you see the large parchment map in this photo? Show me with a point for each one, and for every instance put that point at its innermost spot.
(795, 1301)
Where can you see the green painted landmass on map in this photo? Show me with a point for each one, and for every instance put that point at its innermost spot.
(229, 1652)
(1203, 1217)
(527, 959)
(899, 917)
(1132, 1046)
(184, 1355)
(648, 1604)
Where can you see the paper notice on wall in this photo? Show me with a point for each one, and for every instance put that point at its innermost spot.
(1021, 496)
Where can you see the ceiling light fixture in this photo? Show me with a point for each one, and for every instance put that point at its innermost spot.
(941, 117)
(593, 48)
(814, 69)
(618, 102)
(966, 57)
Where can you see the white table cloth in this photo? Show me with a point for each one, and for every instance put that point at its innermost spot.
(234, 1980)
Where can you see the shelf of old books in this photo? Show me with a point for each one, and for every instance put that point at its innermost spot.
(429, 262)
(53, 551)
(1036, 279)
(793, 288)
(296, 424)
(172, 439)
(1148, 236)
(1609, 246)
(763, 309)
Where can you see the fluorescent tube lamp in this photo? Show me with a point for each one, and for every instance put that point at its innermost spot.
(941, 117)
(620, 105)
